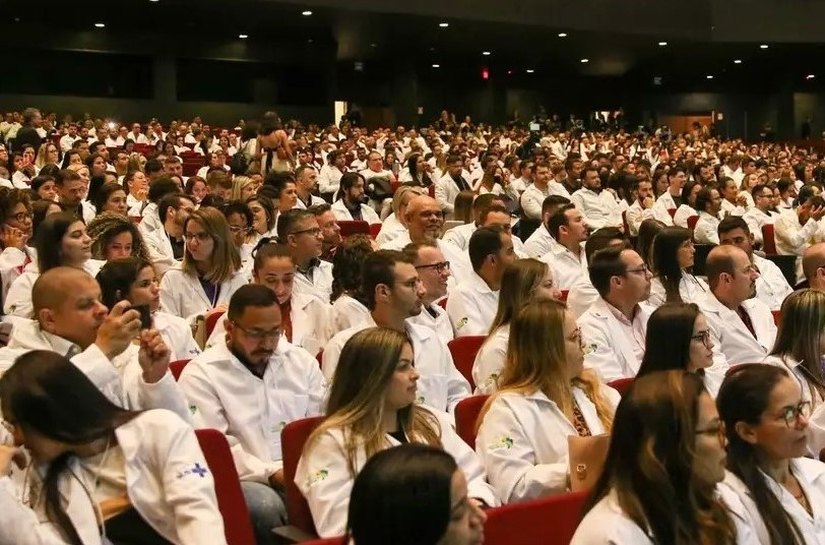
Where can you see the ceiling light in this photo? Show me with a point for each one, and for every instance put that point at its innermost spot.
(737, 61)
(530, 70)
(763, 46)
(436, 66)
(100, 25)
(585, 61)
(709, 76)
(662, 44)
(306, 13)
(562, 35)
(485, 53)
(373, 45)
(153, 0)
(443, 25)
(810, 76)
(243, 36)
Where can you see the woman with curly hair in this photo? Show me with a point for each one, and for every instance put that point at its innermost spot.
(348, 306)
(115, 236)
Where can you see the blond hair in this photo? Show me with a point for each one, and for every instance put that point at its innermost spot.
(225, 260)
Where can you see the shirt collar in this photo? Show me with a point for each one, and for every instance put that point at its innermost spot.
(620, 316)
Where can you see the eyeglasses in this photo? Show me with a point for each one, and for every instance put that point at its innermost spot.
(438, 267)
(315, 231)
(20, 217)
(703, 336)
(718, 430)
(259, 335)
(791, 414)
(644, 269)
(238, 229)
(203, 236)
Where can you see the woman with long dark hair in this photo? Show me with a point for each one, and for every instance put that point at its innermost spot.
(108, 475)
(672, 259)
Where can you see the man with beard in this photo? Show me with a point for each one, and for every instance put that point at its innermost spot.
(351, 204)
(330, 230)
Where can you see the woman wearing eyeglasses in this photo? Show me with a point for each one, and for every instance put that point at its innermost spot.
(678, 338)
(16, 233)
(672, 259)
(783, 492)
(544, 396)
(239, 217)
(210, 271)
(799, 349)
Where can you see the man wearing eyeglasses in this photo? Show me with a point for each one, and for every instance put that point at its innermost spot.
(434, 272)
(761, 213)
(166, 245)
(614, 327)
(249, 388)
(298, 230)
(741, 325)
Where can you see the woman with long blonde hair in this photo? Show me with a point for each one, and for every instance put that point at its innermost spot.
(544, 396)
(523, 281)
(210, 271)
(48, 154)
(372, 406)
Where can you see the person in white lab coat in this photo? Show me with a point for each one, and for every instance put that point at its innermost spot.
(393, 292)
(18, 235)
(708, 203)
(107, 475)
(598, 205)
(434, 271)
(299, 232)
(783, 492)
(771, 287)
(798, 350)
(330, 230)
(473, 304)
(351, 205)
(544, 396)
(348, 308)
(210, 272)
(741, 326)
(451, 184)
(672, 258)
(567, 257)
(61, 241)
(797, 229)
(249, 387)
(396, 223)
(133, 279)
(373, 405)
(541, 241)
(669, 422)
(413, 493)
(678, 338)
(673, 198)
(761, 213)
(166, 245)
(614, 326)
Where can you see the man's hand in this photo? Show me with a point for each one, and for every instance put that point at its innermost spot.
(118, 329)
(153, 356)
(13, 237)
(817, 212)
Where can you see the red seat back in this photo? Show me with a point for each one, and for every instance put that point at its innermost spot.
(768, 241)
(777, 315)
(231, 502)
(466, 418)
(621, 385)
(564, 294)
(357, 227)
(375, 228)
(691, 222)
(546, 521)
(176, 367)
(293, 437)
(464, 350)
(211, 321)
(329, 541)
(672, 212)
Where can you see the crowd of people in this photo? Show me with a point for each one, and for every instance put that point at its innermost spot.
(569, 254)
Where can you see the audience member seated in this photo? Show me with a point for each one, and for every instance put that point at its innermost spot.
(642, 206)
(614, 326)
(298, 231)
(61, 241)
(678, 338)
(708, 204)
(813, 264)
(110, 197)
(249, 387)
(348, 308)
(582, 294)
(394, 292)
(129, 475)
(330, 230)
(761, 213)
(352, 203)
(688, 207)
(114, 236)
(413, 494)
(672, 259)
(597, 205)
(672, 198)
(532, 200)
(138, 189)
(210, 271)
(567, 257)
(166, 246)
(16, 233)
(434, 273)
(451, 184)
(796, 229)
(741, 326)
(473, 304)
(663, 469)
(374, 404)
(771, 287)
(158, 189)
(544, 396)
(264, 218)
(541, 241)
(765, 418)
(460, 235)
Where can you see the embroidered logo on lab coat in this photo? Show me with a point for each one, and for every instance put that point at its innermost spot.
(196, 469)
(461, 323)
(278, 427)
(491, 381)
(193, 409)
(318, 476)
(505, 441)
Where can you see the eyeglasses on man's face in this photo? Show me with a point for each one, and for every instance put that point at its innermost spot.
(437, 267)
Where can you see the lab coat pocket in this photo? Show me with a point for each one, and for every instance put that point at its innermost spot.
(283, 407)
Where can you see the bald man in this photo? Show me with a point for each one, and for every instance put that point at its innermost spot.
(425, 223)
(813, 266)
(741, 326)
(71, 320)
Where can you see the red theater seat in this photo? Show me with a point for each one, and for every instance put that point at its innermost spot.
(466, 418)
(293, 437)
(357, 227)
(176, 367)
(546, 521)
(464, 350)
(621, 385)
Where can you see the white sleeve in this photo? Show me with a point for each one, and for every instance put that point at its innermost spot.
(795, 239)
(168, 297)
(465, 315)
(19, 298)
(469, 463)
(601, 358)
(530, 205)
(19, 525)
(441, 196)
(488, 365)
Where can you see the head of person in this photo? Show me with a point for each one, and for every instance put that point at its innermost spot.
(273, 267)
(425, 219)
(620, 275)
(766, 424)
(762, 197)
(549, 207)
(731, 275)
(209, 251)
(161, 187)
(523, 281)
(284, 190)
(173, 166)
(346, 266)
(330, 230)
(44, 187)
(243, 187)
(67, 304)
(353, 189)
(567, 226)
(16, 211)
(455, 164)
(219, 183)
(807, 200)
(263, 213)
(129, 278)
(709, 201)
(801, 334)
(689, 346)
(463, 206)
(413, 494)
(196, 188)
(673, 252)
(62, 240)
(813, 266)
(689, 192)
(173, 210)
(298, 230)
(676, 179)
(114, 236)
(70, 188)
(734, 231)
(591, 179)
(97, 164)
(306, 178)
(541, 174)
(110, 197)
(239, 217)
(666, 456)
(389, 280)
(491, 250)
(400, 199)
(648, 230)
(253, 324)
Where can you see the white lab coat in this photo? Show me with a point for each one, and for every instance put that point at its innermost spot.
(733, 343)
(12, 263)
(181, 294)
(320, 285)
(811, 477)
(771, 287)
(706, 230)
(459, 236)
(532, 200)
(599, 209)
(311, 327)
(690, 287)
(177, 334)
(446, 190)
(471, 306)
(522, 442)
(581, 297)
(151, 218)
(439, 322)
(160, 250)
(324, 478)
(791, 238)
(816, 422)
(539, 243)
(120, 380)
(490, 360)
(611, 352)
(168, 483)
(440, 384)
(391, 227)
(347, 312)
(339, 210)
(635, 215)
(18, 300)
(756, 218)
(568, 270)
(252, 411)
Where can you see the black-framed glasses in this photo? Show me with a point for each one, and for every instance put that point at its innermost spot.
(703, 336)
(314, 231)
(258, 334)
(644, 269)
(438, 267)
(20, 217)
(717, 430)
(791, 414)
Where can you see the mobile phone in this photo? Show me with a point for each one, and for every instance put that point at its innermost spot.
(145, 315)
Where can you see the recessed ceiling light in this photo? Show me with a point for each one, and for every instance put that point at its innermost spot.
(763, 46)
(436, 66)
(585, 61)
(810, 76)
(306, 13)
(662, 44)
(485, 53)
(100, 25)
(153, 0)
(709, 76)
(562, 35)
(443, 25)
(243, 36)
(737, 61)
(373, 45)
(530, 70)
